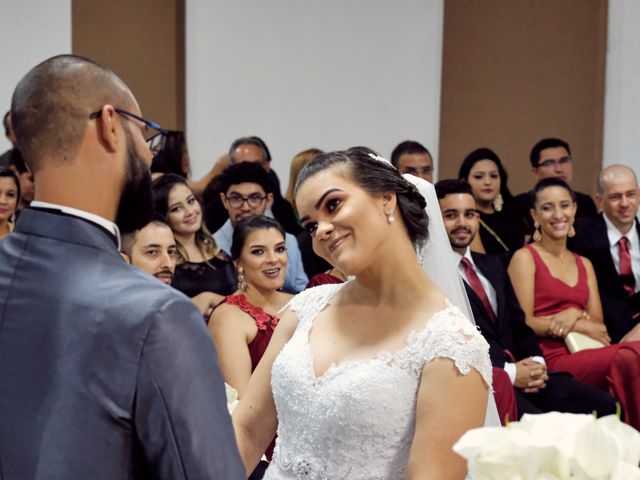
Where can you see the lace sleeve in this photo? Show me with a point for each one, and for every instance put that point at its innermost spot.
(451, 335)
(308, 303)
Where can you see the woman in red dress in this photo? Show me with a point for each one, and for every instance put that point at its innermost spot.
(558, 292)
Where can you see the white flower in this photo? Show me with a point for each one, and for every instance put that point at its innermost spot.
(232, 397)
(553, 446)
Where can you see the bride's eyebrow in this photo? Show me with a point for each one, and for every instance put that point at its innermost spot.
(319, 202)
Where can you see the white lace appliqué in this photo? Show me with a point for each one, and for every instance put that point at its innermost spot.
(357, 420)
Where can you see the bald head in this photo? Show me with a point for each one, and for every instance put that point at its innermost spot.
(615, 174)
(51, 105)
(618, 196)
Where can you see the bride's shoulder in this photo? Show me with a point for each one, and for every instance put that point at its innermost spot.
(307, 304)
(450, 334)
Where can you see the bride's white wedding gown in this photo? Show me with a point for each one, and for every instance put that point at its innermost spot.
(357, 420)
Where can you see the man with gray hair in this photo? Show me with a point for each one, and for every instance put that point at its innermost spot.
(105, 373)
(612, 242)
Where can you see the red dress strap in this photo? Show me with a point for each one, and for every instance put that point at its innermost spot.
(263, 319)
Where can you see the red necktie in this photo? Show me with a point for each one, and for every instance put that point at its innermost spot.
(476, 285)
(625, 270)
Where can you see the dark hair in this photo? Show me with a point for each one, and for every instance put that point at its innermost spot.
(451, 187)
(51, 104)
(244, 172)
(253, 140)
(169, 159)
(5, 122)
(486, 154)
(16, 161)
(543, 144)
(546, 183)
(376, 177)
(129, 239)
(248, 225)
(408, 146)
(162, 187)
(8, 173)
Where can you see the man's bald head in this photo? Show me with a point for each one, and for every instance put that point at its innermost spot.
(615, 173)
(51, 105)
(618, 196)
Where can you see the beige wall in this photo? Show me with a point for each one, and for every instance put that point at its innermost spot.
(143, 42)
(515, 71)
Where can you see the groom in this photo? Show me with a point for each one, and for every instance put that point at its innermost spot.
(105, 373)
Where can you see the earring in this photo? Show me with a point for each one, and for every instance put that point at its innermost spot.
(572, 232)
(537, 236)
(498, 203)
(242, 284)
(390, 217)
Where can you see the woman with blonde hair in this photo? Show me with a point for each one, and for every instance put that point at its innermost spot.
(297, 163)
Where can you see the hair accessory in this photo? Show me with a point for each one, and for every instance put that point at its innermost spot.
(390, 217)
(498, 203)
(572, 232)
(378, 158)
(537, 236)
(242, 284)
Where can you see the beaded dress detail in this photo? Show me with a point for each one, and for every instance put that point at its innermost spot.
(357, 420)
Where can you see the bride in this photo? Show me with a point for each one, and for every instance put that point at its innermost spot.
(378, 377)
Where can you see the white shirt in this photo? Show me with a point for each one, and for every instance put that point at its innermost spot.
(91, 217)
(634, 248)
(510, 368)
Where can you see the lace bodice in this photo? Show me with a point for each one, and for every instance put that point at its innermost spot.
(357, 420)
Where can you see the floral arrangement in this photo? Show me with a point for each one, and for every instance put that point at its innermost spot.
(232, 397)
(553, 446)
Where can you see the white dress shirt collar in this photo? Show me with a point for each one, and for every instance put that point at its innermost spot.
(91, 217)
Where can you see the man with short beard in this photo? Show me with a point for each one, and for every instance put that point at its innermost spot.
(512, 344)
(105, 373)
(153, 249)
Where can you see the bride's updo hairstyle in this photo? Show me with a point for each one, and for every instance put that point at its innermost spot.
(364, 167)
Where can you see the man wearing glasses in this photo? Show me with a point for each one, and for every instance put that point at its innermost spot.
(245, 190)
(105, 373)
(551, 157)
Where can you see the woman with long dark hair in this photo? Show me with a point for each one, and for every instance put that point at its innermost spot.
(379, 376)
(9, 198)
(500, 231)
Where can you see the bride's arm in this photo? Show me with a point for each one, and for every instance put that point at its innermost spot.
(449, 403)
(254, 420)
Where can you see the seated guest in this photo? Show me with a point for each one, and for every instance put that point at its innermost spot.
(297, 162)
(611, 241)
(551, 158)
(153, 249)
(558, 293)
(252, 150)
(243, 324)
(500, 231)
(9, 195)
(6, 121)
(512, 344)
(246, 191)
(413, 158)
(201, 265)
(27, 187)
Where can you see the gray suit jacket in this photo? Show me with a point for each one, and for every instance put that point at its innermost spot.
(105, 373)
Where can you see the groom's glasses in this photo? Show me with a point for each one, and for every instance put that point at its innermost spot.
(153, 133)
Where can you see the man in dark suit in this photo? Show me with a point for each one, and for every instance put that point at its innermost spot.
(105, 373)
(551, 157)
(512, 344)
(611, 241)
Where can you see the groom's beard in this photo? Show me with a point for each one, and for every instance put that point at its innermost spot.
(135, 208)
